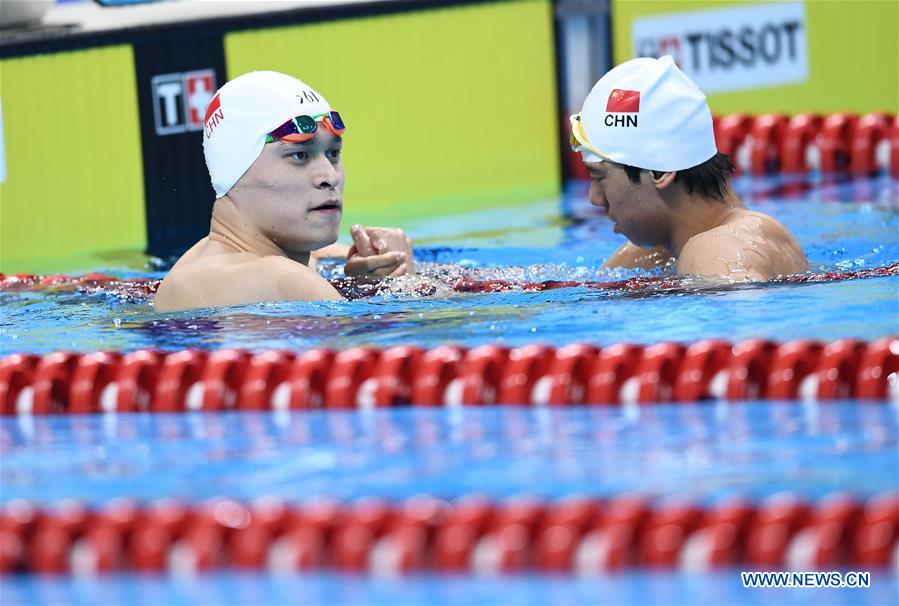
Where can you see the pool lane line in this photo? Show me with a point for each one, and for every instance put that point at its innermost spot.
(531, 375)
(145, 288)
(571, 535)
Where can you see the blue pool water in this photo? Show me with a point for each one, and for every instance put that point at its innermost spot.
(706, 452)
(633, 588)
(702, 452)
(842, 226)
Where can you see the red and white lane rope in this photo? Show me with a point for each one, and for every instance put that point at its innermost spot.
(835, 143)
(840, 143)
(531, 375)
(575, 534)
(145, 288)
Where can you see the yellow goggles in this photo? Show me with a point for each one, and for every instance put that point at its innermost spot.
(578, 138)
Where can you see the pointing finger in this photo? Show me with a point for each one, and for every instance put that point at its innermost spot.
(361, 240)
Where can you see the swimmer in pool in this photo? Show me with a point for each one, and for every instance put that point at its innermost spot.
(646, 138)
(272, 146)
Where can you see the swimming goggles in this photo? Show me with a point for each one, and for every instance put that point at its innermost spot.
(578, 138)
(303, 128)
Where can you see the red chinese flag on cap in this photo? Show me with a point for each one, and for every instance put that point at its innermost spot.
(213, 106)
(621, 100)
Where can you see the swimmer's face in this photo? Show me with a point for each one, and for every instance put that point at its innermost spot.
(293, 192)
(635, 208)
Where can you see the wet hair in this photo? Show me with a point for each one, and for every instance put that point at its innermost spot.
(708, 179)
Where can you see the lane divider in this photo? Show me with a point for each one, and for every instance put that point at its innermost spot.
(840, 143)
(531, 375)
(145, 288)
(135, 288)
(581, 535)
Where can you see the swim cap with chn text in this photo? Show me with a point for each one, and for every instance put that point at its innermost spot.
(242, 113)
(647, 113)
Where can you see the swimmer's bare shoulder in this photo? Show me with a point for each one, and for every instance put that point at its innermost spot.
(205, 277)
(631, 256)
(751, 246)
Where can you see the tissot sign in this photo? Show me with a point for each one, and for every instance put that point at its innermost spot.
(180, 100)
(729, 49)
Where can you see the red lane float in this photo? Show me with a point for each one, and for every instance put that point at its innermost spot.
(730, 136)
(790, 365)
(777, 522)
(223, 375)
(537, 375)
(860, 145)
(875, 540)
(480, 374)
(870, 145)
(879, 360)
(391, 381)
(701, 371)
(135, 382)
(436, 370)
(584, 535)
(613, 367)
(526, 365)
(721, 537)
(179, 377)
(264, 372)
(894, 148)
(93, 374)
(568, 375)
(657, 372)
(16, 375)
(349, 369)
(50, 385)
(837, 369)
(766, 139)
(305, 384)
(798, 143)
(650, 285)
(747, 373)
(835, 142)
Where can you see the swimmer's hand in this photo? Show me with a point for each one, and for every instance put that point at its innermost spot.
(379, 252)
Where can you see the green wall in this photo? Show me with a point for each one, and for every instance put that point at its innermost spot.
(447, 110)
(74, 174)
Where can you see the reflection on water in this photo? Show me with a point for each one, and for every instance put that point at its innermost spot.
(706, 452)
(643, 588)
(562, 240)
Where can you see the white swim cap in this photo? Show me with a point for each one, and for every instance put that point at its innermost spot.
(645, 113)
(243, 112)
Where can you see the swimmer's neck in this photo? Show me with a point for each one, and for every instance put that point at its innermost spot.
(693, 215)
(229, 228)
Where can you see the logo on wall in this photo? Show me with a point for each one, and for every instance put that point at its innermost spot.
(180, 100)
(730, 48)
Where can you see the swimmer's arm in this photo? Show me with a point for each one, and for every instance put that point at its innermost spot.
(334, 251)
(631, 256)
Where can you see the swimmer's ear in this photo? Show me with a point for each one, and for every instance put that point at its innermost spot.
(662, 180)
